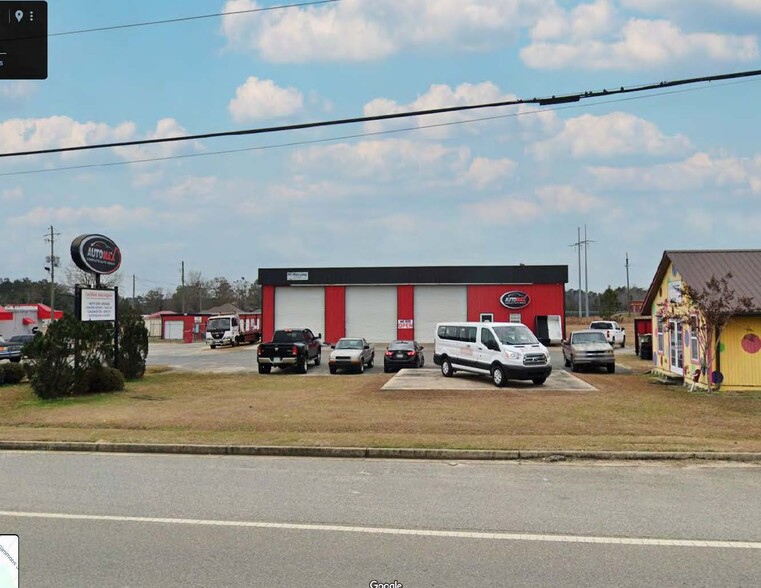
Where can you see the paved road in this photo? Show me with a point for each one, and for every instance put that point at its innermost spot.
(199, 357)
(134, 520)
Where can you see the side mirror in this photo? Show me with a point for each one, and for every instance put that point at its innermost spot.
(332, 346)
(367, 347)
(421, 348)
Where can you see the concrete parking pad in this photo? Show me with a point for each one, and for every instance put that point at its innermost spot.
(431, 379)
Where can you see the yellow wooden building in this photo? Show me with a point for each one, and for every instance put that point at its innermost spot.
(737, 359)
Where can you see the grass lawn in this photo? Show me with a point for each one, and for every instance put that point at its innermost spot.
(627, 412)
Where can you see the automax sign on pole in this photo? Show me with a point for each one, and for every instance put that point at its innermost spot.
(97, 255)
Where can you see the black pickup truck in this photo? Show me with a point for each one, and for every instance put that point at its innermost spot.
(290, 348)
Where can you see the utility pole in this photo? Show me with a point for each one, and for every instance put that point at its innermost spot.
(53, 261)
(628, 297)
(133, 290)
(182, 296)
(586, 243)
(578, 246)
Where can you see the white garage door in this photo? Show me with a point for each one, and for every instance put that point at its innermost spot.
(173, 330)
(438, 304)
(371, 313)
(300, 307)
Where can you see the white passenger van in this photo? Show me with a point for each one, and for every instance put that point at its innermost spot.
(501, 350)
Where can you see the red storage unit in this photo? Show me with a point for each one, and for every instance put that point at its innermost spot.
(643, 325)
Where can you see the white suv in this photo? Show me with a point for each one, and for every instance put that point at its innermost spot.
(500, 350)
(614, 333)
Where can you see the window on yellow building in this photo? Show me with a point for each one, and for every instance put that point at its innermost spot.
(660, 334)
(694, 347)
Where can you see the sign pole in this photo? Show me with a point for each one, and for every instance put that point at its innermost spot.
(116, 327)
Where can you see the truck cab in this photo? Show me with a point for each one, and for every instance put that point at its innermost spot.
(228, 329)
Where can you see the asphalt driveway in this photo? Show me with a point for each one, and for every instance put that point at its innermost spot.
(197, 357)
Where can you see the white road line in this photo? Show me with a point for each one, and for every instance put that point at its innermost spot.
(390, 531)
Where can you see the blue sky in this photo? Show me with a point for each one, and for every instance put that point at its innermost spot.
(673, 171)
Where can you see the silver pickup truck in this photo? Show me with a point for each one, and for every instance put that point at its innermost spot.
(588, 348)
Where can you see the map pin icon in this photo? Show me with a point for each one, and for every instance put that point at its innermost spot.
(19, 15)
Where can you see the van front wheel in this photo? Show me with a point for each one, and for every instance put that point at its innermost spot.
(498, 376)
(446, 368)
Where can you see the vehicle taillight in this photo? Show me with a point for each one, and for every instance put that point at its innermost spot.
(295, 350)
(389, 353)
(259, 350)
(410, 353)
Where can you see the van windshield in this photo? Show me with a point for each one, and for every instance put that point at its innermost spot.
(515, 335)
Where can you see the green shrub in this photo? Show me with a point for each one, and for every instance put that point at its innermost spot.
(13, 373)
(103, 379)
(114, 380)
(133, 343)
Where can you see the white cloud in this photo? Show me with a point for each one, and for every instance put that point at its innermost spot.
(110, 216)
(11, 194)
(382, 160)
(257, 99)
(752, 7)
(638, 44)
(504, 210)
(566, 198)
(484, 172)
(694, 173)
(585, 21)
(191, 190)
(524, 118)
(29, 134)
(358, 30)
(16, 90)
(165, 128)
(610, 135)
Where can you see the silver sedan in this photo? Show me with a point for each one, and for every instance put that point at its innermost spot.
(350, 353)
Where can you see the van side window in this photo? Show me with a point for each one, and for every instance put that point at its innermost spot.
(468, 334)
(442, 332)
(452, 333)
(235, 322)
(487, 339)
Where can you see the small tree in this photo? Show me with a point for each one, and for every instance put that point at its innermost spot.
(133, 343)
(608, 303)
(708, 310)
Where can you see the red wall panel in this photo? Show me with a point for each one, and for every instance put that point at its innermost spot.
(405, 310)
(544, 299)
(335, 313)
(268, 312)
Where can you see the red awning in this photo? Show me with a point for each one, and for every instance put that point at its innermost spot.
(28, 321)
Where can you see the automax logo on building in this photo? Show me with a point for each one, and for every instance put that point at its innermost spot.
(514, 299)
(96, 254)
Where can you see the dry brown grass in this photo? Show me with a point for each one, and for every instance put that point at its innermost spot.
(628, 412)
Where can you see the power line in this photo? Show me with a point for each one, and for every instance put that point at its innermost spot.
(563, 99)
(188, 18)
(355, 135)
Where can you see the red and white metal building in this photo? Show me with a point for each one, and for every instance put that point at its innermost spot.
(192, 327)
(24, 319)
(382, 304)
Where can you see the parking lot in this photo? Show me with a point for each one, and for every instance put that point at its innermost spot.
(197, 357)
